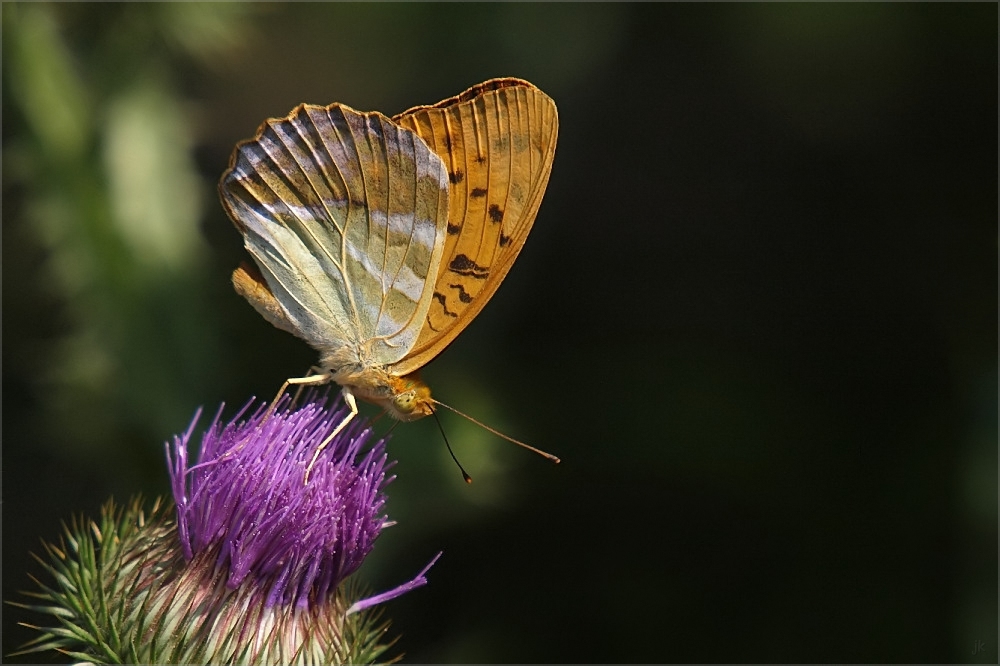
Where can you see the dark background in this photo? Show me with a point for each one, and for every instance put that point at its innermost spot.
(757, 316)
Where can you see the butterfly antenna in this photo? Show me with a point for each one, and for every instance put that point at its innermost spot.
(544, 454)
(465, 475)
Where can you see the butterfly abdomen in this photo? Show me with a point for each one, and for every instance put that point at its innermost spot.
(250, 284)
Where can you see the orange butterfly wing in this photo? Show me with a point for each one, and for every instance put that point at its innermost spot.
(497, 141)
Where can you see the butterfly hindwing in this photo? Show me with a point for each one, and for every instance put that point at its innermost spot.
(345, 214)
(497, 141)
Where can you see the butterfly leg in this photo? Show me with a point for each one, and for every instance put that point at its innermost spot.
(308, 380)
(301, 385)
(349, 399)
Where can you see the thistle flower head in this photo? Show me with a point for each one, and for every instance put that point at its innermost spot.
(253, 569)
(246, 501)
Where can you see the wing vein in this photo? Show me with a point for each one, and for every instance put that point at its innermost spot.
(347, 219)
(497, 248)
(308, 176)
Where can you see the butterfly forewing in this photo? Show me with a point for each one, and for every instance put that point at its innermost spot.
(497, 141)
(345, 213)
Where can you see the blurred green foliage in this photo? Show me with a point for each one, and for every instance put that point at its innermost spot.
(756, 317)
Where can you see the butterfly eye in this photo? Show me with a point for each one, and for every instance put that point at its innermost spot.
(405, 402)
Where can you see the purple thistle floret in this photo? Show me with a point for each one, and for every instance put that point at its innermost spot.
(245, 500)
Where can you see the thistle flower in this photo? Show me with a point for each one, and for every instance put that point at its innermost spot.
(253, 569)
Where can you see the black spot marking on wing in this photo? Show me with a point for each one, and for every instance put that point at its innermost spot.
(496, 213)
(439, 297)
(462, 294)
(462, 265)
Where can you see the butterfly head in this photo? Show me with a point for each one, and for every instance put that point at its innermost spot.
(410, 400)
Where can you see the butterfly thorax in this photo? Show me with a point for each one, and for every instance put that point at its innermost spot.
(405, 398)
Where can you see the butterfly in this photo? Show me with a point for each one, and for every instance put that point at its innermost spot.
(377, 240)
